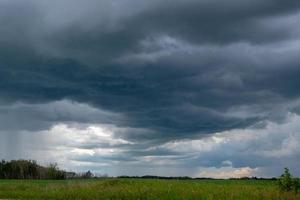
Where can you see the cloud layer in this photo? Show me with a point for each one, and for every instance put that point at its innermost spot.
(154, 75)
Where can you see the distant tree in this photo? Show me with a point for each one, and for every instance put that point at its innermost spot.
(87, 175)
(33, 170)
(2, 175)
(54, 172)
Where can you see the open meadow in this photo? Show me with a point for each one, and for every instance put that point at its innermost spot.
(143, 189)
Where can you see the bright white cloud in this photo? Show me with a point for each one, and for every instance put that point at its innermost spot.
(227, 172)
(78, 134)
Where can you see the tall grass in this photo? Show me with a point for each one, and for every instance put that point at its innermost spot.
(143, 189)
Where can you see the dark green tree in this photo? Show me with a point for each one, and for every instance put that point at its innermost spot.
(286, 181)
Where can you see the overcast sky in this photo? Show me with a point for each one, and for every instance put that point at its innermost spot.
(202, 88)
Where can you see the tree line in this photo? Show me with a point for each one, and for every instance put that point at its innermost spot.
(29, 169)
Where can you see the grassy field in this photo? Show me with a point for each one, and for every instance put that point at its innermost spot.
(143, 189)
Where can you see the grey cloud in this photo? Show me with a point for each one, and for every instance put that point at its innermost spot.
(34, 117)
(158, 71)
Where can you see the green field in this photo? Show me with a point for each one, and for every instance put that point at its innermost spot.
(142, 189)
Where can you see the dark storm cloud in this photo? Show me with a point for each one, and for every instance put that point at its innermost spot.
(215, 21)
(206, 58)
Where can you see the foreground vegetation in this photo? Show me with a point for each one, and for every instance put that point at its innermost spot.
(143, 189)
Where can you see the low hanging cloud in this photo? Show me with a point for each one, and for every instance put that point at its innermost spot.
(261, 150)
(154, 73)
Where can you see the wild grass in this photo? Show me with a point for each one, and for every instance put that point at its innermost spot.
(143, 189)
